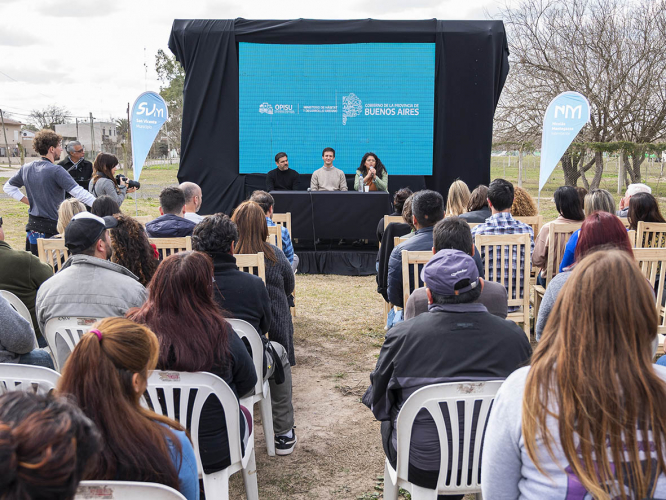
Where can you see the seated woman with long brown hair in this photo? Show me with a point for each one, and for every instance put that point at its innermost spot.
(587, 419)
(252, 235)
(106, 375)
(194, 337)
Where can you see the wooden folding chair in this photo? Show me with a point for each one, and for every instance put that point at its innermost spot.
(275, 236)
(252, 263)
(506, 246)
(536, 223)
(558, 235)
(632, 237)
(652, 262)
(53, 252)
(169, 246)
(143, 219)
(625, 221)
(393, 218)
(283, 220)
(412, 263)
(651, 235)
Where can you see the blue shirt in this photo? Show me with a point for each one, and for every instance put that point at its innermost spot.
(186, 465)
(570, 251)
(287, 247)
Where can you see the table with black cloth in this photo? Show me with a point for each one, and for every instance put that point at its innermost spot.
(333, 214)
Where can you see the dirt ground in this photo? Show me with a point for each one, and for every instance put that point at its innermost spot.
(338, 332)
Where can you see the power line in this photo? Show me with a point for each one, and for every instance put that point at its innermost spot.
(15, 80)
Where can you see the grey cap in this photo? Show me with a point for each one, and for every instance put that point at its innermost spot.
(450, 272)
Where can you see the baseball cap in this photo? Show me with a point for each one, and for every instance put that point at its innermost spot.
(450, 272)
(85, 229)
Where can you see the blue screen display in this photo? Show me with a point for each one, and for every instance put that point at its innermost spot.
(355, 98)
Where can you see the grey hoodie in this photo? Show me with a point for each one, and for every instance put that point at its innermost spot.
(16, 336)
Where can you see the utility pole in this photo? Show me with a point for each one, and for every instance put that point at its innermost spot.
(4, 131)
(77, 129)
(92, 134)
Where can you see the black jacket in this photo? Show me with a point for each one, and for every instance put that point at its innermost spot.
(81, 173)
(170, 226)
(477, 216)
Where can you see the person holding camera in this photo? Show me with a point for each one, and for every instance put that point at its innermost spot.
(105, 182)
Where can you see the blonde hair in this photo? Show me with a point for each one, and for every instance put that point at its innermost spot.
(457, 199)
(68, 209)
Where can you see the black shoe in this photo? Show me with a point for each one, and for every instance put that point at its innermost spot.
(285, 445)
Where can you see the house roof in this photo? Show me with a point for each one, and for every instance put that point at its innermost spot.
(9, 121)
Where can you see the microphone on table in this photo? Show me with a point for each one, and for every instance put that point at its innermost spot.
(309, 189)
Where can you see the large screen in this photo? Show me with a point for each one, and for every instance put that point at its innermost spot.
(355, 98)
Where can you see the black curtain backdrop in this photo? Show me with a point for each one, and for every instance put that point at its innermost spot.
(471, 68)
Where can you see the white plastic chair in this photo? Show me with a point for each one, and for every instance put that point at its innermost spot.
(20, 308)
(431, 398)
(161, 392)
(262, 390)
(65, 332)
(27, 378)
(125, 490)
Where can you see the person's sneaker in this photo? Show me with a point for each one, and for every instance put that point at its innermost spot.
(284, 445)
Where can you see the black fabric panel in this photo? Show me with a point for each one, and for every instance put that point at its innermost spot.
(346, 263)
(471, 68)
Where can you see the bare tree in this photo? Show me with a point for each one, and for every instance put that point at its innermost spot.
(612, 52)
(49, 117)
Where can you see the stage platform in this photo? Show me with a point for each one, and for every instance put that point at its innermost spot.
(329, 257)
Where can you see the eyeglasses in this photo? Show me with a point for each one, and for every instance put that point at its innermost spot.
(79, 151)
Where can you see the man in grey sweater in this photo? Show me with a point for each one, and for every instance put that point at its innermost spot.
(328, 178)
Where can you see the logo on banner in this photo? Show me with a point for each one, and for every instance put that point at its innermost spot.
(143, 109)
(149, 113)
(351, 107)
(264, 107)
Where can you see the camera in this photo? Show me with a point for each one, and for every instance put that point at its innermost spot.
(130, 183)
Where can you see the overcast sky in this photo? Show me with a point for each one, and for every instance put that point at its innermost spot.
(91, 56)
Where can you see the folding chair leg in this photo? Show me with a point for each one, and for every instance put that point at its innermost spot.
(216, 485)
(250, 478)
(390, 489)
(420, 493)
(266, 409)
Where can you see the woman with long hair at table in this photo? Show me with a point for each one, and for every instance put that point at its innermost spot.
(106, 375)
(587, 419)
(252, 234)
(372, 173)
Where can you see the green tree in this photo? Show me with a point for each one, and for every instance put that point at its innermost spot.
(172, 75)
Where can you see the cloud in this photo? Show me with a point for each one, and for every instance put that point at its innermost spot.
(10, 37)
(36, 75)
(77, 8)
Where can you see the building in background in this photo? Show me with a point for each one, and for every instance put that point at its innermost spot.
(12, 132)
(102, 137)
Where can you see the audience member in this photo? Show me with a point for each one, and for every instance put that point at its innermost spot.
(399, 199)
(193, 200)
(46, 446)
(373, 174)
(587, 418)
(17, 340)
(252, 233)
(456, 339)
(453, 233)
(105, 206)
(267, 204)
(76, 164)
(632, 190)
(104, 181)
(45, 186)
(282, 178)
(570, 209)
(132, 249)
(523, 204)
(582, 193)
(171, 223)
(595, 200)
(477, 208)
(328, 178)
(107, 375)
(195, 337)
(500, 200)
(88, 284)
(427, 210)
(22, 274)
(643, 207)
(457, 199)
(407, 214)
(68, 209)
(599, 229)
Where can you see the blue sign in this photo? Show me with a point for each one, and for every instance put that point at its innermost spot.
(148, 115)
(355, 98)
(565, 116)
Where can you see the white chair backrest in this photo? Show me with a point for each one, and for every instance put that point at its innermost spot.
(53, 252)
(63, 333)
(169, 246)
(125, 490)
(246, 331)
(167, 387)
(444, 402)
(27, 378)
(20, 308)
(275, 236)
(252, 263)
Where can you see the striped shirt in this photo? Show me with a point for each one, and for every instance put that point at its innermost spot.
(287, 247)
